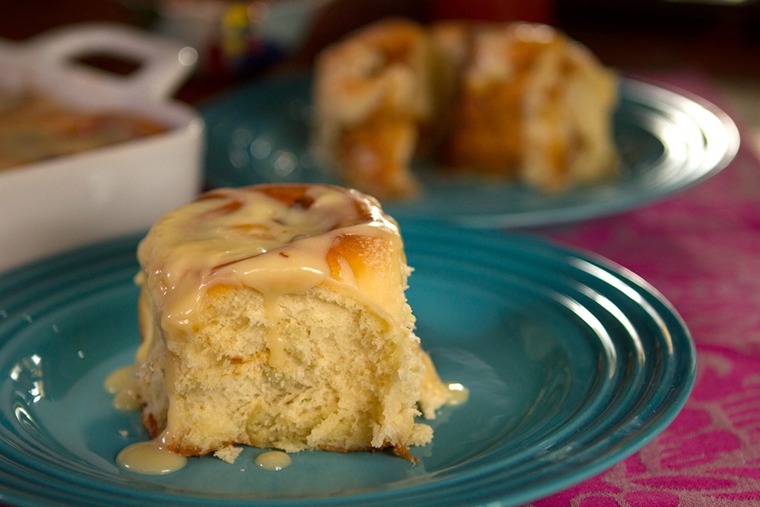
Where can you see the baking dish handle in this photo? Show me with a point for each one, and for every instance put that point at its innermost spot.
(163, 64)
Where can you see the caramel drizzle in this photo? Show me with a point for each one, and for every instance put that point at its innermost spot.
(223, 238)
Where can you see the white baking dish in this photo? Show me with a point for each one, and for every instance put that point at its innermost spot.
(69, 201)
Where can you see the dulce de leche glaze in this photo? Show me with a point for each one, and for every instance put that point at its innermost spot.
(276, 239)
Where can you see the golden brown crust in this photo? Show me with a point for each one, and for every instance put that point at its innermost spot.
(149, 423)
(402, 451)
(372, 99)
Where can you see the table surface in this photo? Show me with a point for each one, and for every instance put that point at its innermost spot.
(701, 250)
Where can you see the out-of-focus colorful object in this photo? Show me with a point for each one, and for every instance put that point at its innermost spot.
(234, 37)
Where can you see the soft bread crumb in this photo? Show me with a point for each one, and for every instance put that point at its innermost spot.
(349, 381)
(228, 454)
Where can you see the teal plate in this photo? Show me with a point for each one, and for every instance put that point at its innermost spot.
(572, 363)
(667, 141)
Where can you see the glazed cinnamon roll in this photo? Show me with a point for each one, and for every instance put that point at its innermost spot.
(275, 316)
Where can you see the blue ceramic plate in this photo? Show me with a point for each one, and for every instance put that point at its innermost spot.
(572, 363)
(667, 141)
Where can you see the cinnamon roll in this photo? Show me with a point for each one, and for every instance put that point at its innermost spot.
(518, 101)
(275, 316)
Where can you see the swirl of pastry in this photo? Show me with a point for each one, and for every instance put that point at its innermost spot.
(371, 96)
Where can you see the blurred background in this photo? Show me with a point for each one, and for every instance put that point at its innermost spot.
(242, 40)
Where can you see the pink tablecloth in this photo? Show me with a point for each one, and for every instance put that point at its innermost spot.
(701, 249)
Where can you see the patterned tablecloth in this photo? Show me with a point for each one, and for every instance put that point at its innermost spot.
(701, 249)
